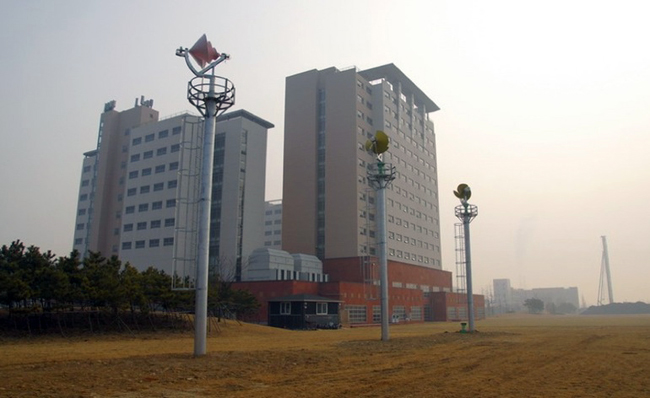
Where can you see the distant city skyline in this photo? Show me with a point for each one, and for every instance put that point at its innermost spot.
(543, 112)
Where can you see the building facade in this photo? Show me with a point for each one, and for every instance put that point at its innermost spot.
(328, 206)
(139, 189)
(273, 224)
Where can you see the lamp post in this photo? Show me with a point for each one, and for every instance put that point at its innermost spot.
(466, 213)
(211, 95)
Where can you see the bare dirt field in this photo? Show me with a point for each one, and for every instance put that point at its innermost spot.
(510, 356)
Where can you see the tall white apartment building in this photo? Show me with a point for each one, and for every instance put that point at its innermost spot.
(273, 224)
(328, 206)
(139, 189)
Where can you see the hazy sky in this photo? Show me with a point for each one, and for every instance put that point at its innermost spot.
(545, 111)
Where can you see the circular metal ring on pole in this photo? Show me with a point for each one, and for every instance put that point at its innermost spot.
(199, 93)
(466, 212)
(380, 175)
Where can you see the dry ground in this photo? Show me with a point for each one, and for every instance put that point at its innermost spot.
(512, 356)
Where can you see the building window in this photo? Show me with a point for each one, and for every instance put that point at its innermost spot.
(161, 151)
(129, 209)
(171, 203)
(126, 245)
(136, 141)
(156, 205)
(357, 313)
(143, 207)
(147, 155)
(145, 189)
(80, 227)
(170, 222)
(158, 186)
(146, 172)
(139, 244)
(321, 308)
(163, 134)
(135, 158)
(78, 241)
(285, 308)
(175, 148)
(176, 130)
(154, 242)
(172, 184)
(168, 242)
(86, 169)
(81, 212)
(131, 191)
(83, 197)
(173, 166)
(268, 233)
(149, 137)
(155, 224)
(85, 183)
(128, 227)
(133, 174)
(142, 225)
(160, 168)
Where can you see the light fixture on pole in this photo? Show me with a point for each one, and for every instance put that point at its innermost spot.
(380, 175)
(211, 95)
(466, 213)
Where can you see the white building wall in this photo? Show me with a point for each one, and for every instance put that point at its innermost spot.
(146, 192)
(150, 200)
(273, 224)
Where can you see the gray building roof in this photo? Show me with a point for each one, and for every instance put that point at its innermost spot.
(393, 74)
(247, 115)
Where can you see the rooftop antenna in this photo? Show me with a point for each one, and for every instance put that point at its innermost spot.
(380, 175)
(211, 95)
(466, 213)
(605, 276)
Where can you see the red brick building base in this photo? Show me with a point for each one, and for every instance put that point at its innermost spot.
(416, 294)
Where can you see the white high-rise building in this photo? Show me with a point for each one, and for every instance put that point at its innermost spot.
(139, 189)
(273, 224)
(328, 206)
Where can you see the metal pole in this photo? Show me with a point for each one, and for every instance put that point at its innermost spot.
(201, 305)
(468, 271)
(383, 258)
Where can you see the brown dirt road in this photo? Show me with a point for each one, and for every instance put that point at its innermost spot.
(512, 356)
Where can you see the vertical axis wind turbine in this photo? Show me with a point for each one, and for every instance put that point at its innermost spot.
(466, 213)
(380, 175)
(211, 95)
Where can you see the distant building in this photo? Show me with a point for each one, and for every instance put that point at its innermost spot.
(508, 299)
(138, 195)
(273, 224)
(503, 295)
